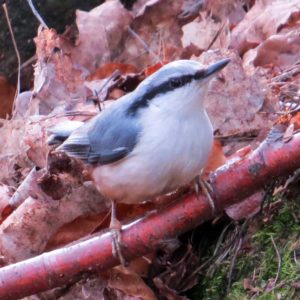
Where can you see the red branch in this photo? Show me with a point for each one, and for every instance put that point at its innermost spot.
(231, 183)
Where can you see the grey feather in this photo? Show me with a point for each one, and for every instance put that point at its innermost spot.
(106, 138)
(60, 132)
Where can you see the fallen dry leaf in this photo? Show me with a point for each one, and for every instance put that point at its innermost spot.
(280, 50)
(108, 69)
(231, 10)
(126, 284)
(25, 233)
(155, 34)
(100, 32)
(82, 226)
(216, 158)
(264, 19)
(204, 32)
(58, 80)
(236, 102)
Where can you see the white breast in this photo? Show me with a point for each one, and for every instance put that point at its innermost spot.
(169, 154)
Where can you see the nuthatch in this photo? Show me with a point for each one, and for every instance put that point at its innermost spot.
(150, 141)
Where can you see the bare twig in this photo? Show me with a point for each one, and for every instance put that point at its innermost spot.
(295, 257)
(278, 261)
(17, 54)
(232, 264)
(37, 15)
(144, 44)
(216, 36)
(236, 249)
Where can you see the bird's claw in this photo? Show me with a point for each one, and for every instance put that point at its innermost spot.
(116, 240)
(207, 190)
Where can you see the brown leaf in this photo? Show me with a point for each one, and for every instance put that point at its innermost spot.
(204, 32)
(236, 102)
(128, 285)
(156, 33)
(80, 227)
(107, 69)
(280, 50)
(216, 158)
(57, 80)
(152, 69)
(264, 19)
(25, 233)
(13, 156)
(100, 32)
(231, 10)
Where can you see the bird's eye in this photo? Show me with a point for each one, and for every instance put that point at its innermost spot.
(175, 82)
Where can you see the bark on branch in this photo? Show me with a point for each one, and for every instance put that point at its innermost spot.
(231, 183)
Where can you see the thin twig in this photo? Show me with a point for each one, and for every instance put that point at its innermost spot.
(148, 49)
(216, 36)
(37, 15)
(279, 261)
(232, 264)
(236, 249)
(17, 54)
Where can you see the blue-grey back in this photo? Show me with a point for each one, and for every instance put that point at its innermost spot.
(107, 137)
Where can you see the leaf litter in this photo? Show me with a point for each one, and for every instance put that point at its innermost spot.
(115, 49)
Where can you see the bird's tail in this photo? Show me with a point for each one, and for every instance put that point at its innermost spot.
(60, 132)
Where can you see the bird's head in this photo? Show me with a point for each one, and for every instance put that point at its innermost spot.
(177, 84)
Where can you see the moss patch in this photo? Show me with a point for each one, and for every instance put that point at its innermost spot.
(256, 265)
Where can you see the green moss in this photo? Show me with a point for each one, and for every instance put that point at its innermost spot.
(212, 287)
(283, 226)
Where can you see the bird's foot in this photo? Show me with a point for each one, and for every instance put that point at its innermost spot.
(116, 236)
(201, 184)
(116, 241)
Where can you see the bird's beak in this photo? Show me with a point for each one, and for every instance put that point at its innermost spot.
(216, 67)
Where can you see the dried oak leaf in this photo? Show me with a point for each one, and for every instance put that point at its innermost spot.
(125, 284)
(78, 228)
(156, 27)
(101, 31)
(216, 158)
(204, 32)
(118, 283)
(13, 156)
(279, 50)
(264, 19)
(235, 101)
(108, 69)
(231, 10)
(26, 232)
(57, 78)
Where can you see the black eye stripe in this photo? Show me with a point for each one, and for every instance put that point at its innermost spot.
(175, 82)
(167, 86)
(199, 74)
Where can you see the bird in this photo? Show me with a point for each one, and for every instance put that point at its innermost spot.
(150, 141)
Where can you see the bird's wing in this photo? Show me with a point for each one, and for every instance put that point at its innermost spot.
(106, 138)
